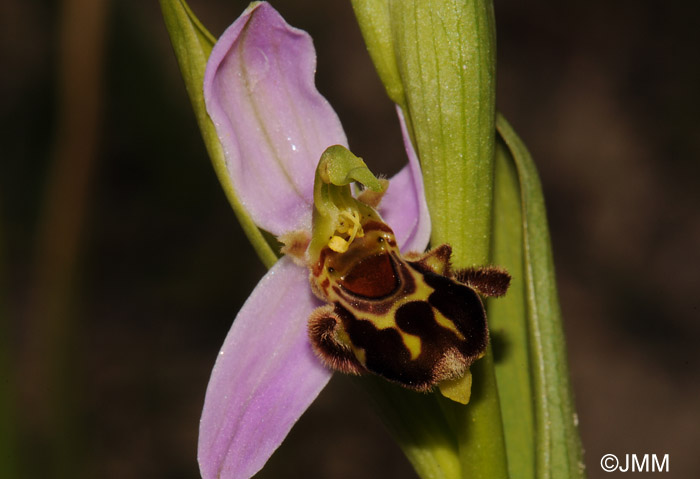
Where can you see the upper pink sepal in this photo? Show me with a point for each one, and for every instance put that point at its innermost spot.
(272, 122)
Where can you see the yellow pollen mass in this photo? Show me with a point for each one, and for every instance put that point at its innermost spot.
(350, 225)
(338, 244)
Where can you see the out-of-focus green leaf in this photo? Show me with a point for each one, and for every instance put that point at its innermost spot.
(558, 453)
(192, 44)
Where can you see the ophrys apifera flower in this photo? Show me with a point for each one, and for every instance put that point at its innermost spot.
(274, 127)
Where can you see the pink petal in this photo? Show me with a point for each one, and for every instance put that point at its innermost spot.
(404, 207)
(265, 377)
(273, 123)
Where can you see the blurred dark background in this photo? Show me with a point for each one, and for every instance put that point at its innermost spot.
(112, 315)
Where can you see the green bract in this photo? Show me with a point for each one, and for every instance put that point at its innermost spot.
(436, 59)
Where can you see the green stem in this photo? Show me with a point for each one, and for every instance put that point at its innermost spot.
(478, 426)
(420, 427)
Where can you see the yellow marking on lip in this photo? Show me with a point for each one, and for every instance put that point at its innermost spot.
(412, 343)
(447, 323)
(382, 321)
(360, 355)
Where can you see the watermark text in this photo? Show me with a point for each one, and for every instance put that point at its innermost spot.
(635, 463)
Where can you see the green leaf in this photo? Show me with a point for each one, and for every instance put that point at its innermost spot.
(508, 322)
(192, 44)
(557, 442)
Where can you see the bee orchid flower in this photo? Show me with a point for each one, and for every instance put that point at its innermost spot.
(274, 127)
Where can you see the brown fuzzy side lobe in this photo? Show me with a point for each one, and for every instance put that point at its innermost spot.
(323, 334)
(487, 280)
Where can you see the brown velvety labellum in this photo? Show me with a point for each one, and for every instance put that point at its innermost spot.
(372, 277)
(438, 328)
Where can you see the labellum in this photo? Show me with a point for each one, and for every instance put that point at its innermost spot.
(411, 319)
